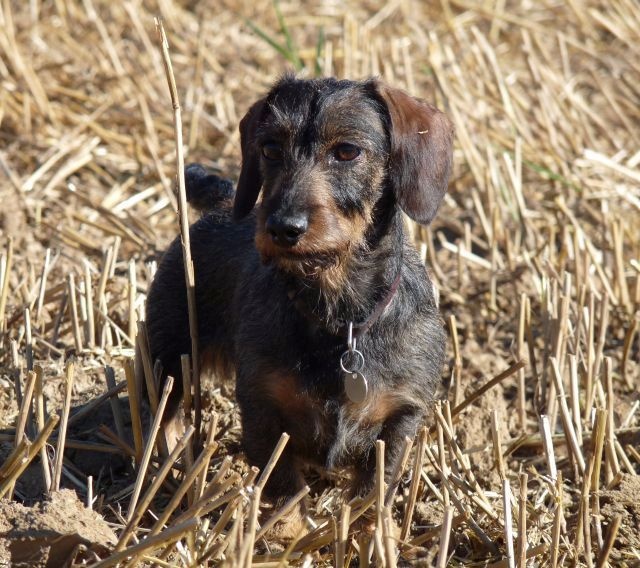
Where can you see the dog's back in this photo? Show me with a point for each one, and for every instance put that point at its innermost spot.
(220, 247)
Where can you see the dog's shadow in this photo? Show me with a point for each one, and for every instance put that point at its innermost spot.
(97, 445)
(89, 451)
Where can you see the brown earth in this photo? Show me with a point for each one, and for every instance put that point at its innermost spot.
(51, 532)
(544, 202)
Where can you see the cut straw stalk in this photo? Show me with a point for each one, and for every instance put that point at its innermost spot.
(567, 422)
(444, 468)
(185, 362)
(445, 533)
(42, 288)
(575, 398)
(202, 480)
(379, 482)
(28, 339)
(15, 458)
(508, 525)
(186, 406)
(558, 519)
(413, 489)
(582, 538)
(40, 422)
(132, 289)
(114, 401)
(342, 536)
(435, 532)
(611, 454)
(398, 471)
(184, 227)
(73, 304)
(186, 484)
(273, 460)
(322, 535)
(143, 361)
(246, 554)
(233, 500)
(457, 359)
(134, 408)
(284, 511)
(464, 511)
(479, 496)
(612, 533)
(157, 421)
(497, 444)
(522, 402)
(590, 355)
(487, 386)
(135, 515)
(88, 294)
(626, 350)
(90, 407)
(31, 453)
(521, 550)
(25, 407)
(388, 540)
(4, 285)
(62, 433)
(547, 444)
(161, 540)
(597, 444)
(213, 498)
(230, 511)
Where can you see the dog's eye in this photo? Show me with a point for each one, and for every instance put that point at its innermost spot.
(346, 152)
(272, 151)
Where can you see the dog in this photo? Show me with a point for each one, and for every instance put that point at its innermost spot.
(312, 296)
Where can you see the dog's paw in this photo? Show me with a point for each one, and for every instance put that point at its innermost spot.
(367, 524)
(364, 524)
(291, 526)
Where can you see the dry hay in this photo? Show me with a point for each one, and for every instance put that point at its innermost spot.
(536, 252)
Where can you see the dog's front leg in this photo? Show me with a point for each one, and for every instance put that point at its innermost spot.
(261, 430)
(401, 424)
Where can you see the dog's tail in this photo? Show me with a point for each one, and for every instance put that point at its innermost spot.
(206, 191)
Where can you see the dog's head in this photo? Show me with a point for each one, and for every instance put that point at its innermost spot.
(324, 152)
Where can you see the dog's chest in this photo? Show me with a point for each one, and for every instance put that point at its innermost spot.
(325, 426)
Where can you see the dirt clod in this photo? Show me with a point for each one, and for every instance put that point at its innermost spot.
(48, 534)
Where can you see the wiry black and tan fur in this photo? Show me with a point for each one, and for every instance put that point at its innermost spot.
(277, 278)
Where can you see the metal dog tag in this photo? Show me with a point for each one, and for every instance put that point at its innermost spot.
(355, 386)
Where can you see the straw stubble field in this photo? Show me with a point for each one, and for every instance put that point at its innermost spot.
(534, 451)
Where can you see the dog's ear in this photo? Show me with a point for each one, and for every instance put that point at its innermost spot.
(250, 180)
(421, 153)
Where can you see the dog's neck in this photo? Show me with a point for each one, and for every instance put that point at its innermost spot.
(362, 283)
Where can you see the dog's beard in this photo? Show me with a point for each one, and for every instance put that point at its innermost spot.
(308, 260)
(304, 265)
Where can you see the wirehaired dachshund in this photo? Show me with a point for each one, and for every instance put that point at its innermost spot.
(307, 287)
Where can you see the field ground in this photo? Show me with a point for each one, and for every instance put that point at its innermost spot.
(536, 252)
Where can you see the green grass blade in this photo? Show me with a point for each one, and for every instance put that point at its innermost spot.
(550, 174)
(281, 49)
(319, 51)
(291, 48)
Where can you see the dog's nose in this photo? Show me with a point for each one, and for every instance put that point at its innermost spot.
(286, 230)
